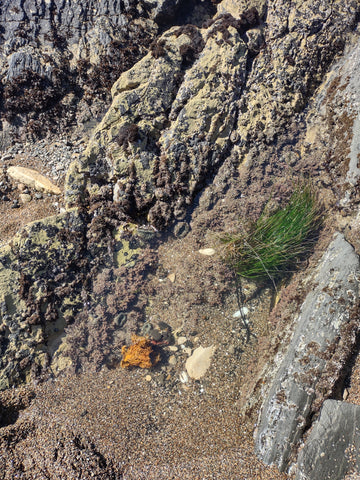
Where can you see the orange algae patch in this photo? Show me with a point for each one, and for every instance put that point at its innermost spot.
(139, 354)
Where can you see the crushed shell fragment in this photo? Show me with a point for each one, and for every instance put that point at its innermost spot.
(172, 277)
(183, 377)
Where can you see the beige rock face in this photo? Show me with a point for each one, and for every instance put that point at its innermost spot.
(33, 179)
(238, 7)
(199, 362)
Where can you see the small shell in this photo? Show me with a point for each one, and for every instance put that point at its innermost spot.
(183, 377)
(207, 251)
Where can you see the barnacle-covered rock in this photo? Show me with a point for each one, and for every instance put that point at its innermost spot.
(169, 123)
(37, 270)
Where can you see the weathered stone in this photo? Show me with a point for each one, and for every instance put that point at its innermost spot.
(338, 110)
(25, 198)
(33, 179)
(33, 260)
(334, 290)
(332, 448)
(302, 32)
(45, 45)
(237, 8)
(158, 141)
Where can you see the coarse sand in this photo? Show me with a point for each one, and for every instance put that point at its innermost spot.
(116, 424)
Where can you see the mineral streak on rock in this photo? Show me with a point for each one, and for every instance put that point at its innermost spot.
(324, 313)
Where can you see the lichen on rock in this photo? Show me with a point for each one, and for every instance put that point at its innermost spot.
(168, 126)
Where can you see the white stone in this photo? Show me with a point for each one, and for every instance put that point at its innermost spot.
(172, 360)
(241, 312)
(183, 377)
(25, 197)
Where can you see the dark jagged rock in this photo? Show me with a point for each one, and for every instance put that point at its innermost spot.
(54, 51)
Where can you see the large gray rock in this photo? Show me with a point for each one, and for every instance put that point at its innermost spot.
(325, 312)
(333, 446)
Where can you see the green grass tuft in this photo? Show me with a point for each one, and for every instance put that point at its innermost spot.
(274, 244)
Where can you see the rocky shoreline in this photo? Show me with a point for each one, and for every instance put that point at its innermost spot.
(189, 122)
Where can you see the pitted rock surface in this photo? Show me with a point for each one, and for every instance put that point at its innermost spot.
(62, 57)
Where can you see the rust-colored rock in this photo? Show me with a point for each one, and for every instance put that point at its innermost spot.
(139, 354)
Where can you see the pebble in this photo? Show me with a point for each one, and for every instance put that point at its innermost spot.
(199, 362)
(56, 157)
(32, 178)
(231, 350)
(171, 277)
(172, 360)
(148, 378)
(38, 195)
(173, 348)
(183, 377)
(25, 197)
(207, 251)
(181, 340)
(15, 204)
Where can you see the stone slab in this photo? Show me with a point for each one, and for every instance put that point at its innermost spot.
(334, 290)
